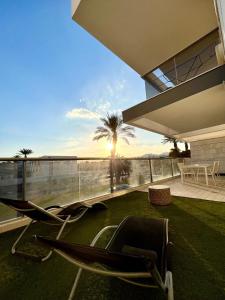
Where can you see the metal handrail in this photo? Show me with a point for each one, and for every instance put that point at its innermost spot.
(188, 60)
(2, 159)
(176, 67)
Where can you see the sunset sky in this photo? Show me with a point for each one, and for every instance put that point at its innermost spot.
(56, 81)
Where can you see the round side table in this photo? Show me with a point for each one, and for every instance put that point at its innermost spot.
(159, 194)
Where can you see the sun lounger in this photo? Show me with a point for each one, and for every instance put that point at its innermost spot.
(64, 216)
(138, 253)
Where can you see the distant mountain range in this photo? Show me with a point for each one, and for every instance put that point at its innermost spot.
(151, 155)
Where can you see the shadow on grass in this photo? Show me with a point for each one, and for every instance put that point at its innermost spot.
(212, 209)
(198, 256)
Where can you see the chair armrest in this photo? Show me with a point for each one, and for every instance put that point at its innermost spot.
(52, 206)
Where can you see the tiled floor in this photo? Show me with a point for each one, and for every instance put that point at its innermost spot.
(192, 190)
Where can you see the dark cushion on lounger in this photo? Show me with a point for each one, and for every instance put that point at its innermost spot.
(25, 208)
(73, 209)
(76, 208)
(143, 233)
(88, 254)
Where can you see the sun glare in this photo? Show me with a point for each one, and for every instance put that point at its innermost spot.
(109, 146)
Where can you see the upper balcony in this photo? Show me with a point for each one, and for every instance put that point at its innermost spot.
(145, 34)
(172, 46)
(192, 61)
(191, 111)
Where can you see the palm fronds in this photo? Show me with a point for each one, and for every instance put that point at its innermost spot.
(25, 152)
(113, 129)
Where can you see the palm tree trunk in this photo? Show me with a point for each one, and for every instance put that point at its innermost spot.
(111, 174)
(175, 145)
(112, 162)
(112, 170)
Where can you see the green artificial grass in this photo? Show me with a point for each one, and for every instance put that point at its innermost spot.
(196, 227)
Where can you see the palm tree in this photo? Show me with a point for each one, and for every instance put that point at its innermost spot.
(25, 152)
(112, 130)
(168, 139)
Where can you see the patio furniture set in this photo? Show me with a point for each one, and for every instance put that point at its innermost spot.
(194, 171)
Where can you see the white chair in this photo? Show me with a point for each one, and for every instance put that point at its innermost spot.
(217, 174)
(211, 171)
(185, 170)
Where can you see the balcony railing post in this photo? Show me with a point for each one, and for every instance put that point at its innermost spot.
(111, 175)
(18, 214)
(175, 67)
(78, 167)
(150, 169)
(19, 177)
(171, 163)
(24, 180)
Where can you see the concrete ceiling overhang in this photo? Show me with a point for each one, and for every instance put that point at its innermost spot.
(193, 110)
(145, 33)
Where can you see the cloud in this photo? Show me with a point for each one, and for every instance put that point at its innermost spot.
(100, 97)
(82, 113)
(113, 92)
(105, 95)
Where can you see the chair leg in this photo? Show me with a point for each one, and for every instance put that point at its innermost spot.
(169, 285)
(182, 178)
(156, 276)
(57, 237)
(15, 245)
(13, 250)
(194, 177)
(213, 178)
(72, 292)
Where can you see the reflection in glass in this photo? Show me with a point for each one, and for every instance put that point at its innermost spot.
(62, 182)
(10, 185)
(161, 169)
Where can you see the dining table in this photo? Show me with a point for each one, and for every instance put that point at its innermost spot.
(204, 167)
